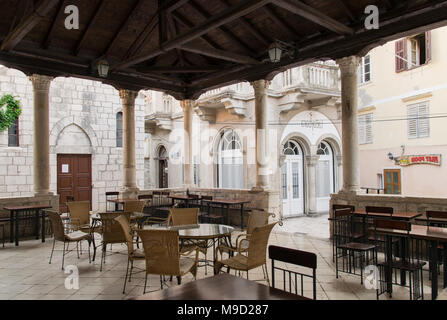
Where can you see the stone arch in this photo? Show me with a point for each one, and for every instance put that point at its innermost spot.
(333, 141)
(73, 120)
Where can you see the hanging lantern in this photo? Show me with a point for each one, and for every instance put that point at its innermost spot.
(275, 52)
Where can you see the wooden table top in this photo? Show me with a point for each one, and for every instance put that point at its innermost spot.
(30, 207)
(397, 215)
(113, 215)
(182, 197)
(198, 231)
(420, 232)
(122, 200)
(221, 287)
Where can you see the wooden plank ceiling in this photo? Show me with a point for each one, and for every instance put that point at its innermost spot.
(185, 47)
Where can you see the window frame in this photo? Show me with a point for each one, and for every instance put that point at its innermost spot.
(362, 70)
(119, 138)
(363, 138)
(17, 135)
(418, 119)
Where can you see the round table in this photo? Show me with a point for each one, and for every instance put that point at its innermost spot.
(201, 231)
(112, 215)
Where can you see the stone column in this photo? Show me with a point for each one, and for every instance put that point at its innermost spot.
(339, 172)
(129, 188)
(311, 162)
(188, 166)
(41, 85)
(349, 97)
(260, 89)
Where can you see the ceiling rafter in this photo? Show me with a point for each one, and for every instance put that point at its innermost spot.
(97, 12)
(228, 15)
(49, 36)
(220, 54)
(27, 24)
(279, 22)
(172, 32)
(314, 15)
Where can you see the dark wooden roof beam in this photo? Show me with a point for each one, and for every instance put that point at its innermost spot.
(314, 15)
(220, 54)
(181, 69)
(241, 9)
(50, 34)
(27, 24)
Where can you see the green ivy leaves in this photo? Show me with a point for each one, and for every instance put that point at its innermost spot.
(9, 111)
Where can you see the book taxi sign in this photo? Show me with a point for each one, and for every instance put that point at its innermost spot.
(432, 159)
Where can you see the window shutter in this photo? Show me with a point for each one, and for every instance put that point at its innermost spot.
(412, 121)
(427, 46)
(361, 130)
(368, 128)
(401, 55)
(423, 121)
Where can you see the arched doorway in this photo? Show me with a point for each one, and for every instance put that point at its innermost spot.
(230, 162)
(325, 176)
(292, 189)
(162, 167)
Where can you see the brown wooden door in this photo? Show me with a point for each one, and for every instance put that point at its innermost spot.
(74, 178)
(392, 181)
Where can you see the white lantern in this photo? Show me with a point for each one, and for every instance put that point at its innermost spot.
(275, 52)
(103, 68)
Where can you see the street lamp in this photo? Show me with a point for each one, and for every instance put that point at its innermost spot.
(103, 68)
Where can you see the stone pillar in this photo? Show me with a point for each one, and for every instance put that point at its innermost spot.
(41, 85)
(349, 97)
(311, 162)
(260, 89)
(339, 173)
(129, 188)
(188, 166)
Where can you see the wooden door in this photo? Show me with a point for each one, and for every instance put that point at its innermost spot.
(392, 181)
(74, 178)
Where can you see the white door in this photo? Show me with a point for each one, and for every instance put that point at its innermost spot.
(325, 177)
(292, 181)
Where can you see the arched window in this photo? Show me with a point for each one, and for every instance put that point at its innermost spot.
(230, 161)
(325, 174)
(291, 148)
(323, 149)
(292, 180)
(119, 129)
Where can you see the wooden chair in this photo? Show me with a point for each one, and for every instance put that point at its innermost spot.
(355, 235)
(437, 219)
(2, 225)
(79, 215)
(111, 195)
(347, 249)
(163, 257)
(132, 253)
(60, 235)
(112, 232)
(204, 207)
(256, 253)
(296, 257)
(409, 261)
(379, 241)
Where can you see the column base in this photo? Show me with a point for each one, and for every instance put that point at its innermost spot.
(129, 193)
(43, 193)
(349, 191)
(258, 189)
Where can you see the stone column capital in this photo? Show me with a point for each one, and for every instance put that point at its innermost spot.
(349, 65)
(187, 104)
(260, 85)
(312, 160)
(41, 82)
(128, 96)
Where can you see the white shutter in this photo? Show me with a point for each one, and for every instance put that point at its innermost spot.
(412, 122)
(424, 121)
(368, 128)
(362, 130)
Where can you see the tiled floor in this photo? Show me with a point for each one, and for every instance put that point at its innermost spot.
(26, 274)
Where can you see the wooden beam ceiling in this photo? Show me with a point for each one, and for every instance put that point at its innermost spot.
(27, 24)
(228, 15)
(314, 15)
(220, 54)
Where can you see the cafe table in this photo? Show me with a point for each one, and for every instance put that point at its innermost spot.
(14, 217)
(202, 232)
(434, 236)
(225, 204)
(118, 202)
(221, 287)
(182, 198)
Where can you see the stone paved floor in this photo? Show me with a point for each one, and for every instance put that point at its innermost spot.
(26, 274)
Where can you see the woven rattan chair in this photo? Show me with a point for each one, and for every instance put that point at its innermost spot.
(134, 206)
(111, 230)
(183, 216)
(256, 253)
(163, 257)
(132, 253)
(60, 235)
(79, 215)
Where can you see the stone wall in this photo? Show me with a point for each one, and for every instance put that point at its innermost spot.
(82, 121)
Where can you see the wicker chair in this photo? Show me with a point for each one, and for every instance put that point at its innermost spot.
(60, 235)
(163, 257)
(255, 219)
(79, 215)
(256, 253)
(183, 216)
(132, 253)
(111, 231)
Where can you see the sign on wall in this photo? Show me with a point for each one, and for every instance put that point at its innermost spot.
(432, 159)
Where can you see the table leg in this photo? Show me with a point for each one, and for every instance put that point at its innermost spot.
(228, 214)
(434, 269)
(11, 226)
(444, 265)
(43, 224)
(242, 216)
(389, 268)
(36, 223)
(403, 251)
(17, 228)
(92, 234)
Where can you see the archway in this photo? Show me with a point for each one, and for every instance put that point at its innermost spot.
(162, 167)
(325, 180)
(230, 162)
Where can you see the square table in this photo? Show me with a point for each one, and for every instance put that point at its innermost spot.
(226, 203)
